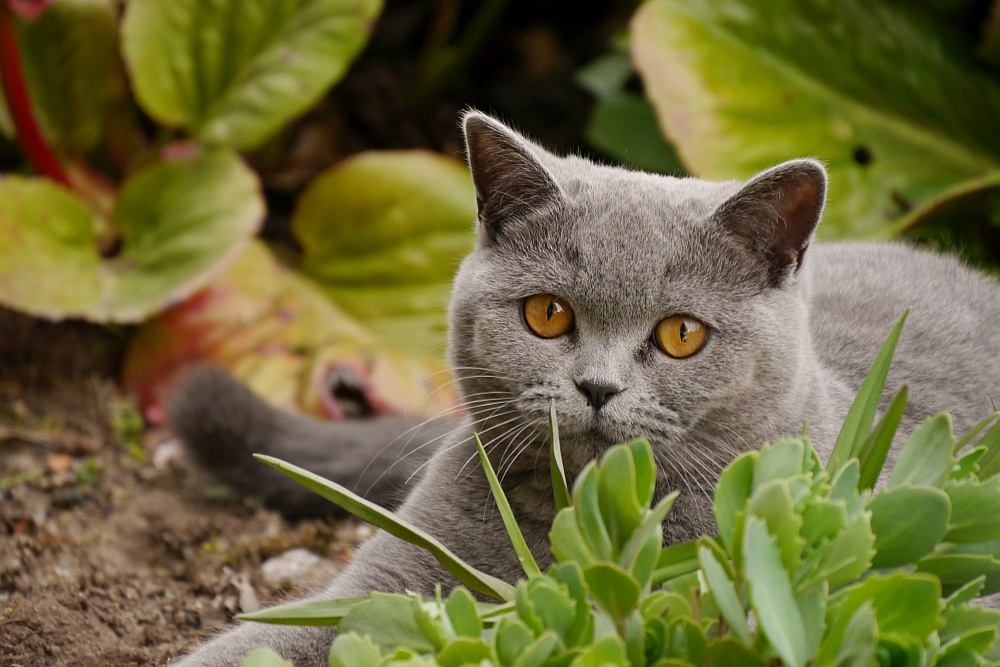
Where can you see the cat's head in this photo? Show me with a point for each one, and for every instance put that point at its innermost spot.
(642, 305)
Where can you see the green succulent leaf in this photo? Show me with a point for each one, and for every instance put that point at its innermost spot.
(908, 522)
(736, 92)
(382, 233)
(771, 595)
(925, 458)
(616, 591)
(233, 72)
(463, 614)
(956, 569)
(179, 221)
(70, 60)
(732, 494)
(974, 516)
(351, 650)
(607, 651)
(464, 651)
(393, 615)
(726, 596)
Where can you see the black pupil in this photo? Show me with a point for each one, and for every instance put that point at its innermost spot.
(553, 308)
(684, 332)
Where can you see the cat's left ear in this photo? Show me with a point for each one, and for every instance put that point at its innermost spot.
(776, 213)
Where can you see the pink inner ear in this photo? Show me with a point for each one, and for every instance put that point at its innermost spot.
(798, 208)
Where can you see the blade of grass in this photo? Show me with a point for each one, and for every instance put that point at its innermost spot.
(560, 488)
(976, 430)
(862, 412)
(989, 465)
(390, 523)
(524, 556)
(322, 613)
(876, 447)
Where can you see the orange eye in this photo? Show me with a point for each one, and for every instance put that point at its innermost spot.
(680, 336)
(548, 315)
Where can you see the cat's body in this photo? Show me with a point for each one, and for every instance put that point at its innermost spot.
(788, 340)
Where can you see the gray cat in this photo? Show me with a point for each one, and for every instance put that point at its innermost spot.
(694, 313)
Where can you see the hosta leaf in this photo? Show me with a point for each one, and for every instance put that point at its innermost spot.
(908, 523)
(179, 221)
(741, 85)
(277, 331)
(70, 60)
(383, 233)
(232, 72)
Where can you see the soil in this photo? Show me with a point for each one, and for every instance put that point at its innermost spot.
(111, 552)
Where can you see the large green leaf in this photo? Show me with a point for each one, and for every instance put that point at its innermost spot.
(234, 71)
(383, 233)
(70, 60)
(892, 102)
(179, 221)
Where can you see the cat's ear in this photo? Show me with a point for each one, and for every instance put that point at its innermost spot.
(776, 213)
(511, 181)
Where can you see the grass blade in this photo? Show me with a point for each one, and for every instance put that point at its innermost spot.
(989, 465)
(876, 448)
(862, 413)
(390, 523)
(516, 538)
(323, 613)
(976, 430)
(560, 488)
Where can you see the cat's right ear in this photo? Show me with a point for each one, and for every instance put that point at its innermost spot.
(511, 181)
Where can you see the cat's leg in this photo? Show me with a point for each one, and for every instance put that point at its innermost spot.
(222, 423)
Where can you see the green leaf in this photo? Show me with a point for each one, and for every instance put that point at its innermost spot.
(511, 639)
(566, 538)
(736, 94)
(908, 522)
(324, 612)
(925, 458)
(538, 651)
(724, 590)
(463, 614)
(524, 556)
(876, 446)
(641, 553)
(383, 233)
(974, 516)
(614, 589)
(906, 603)
(731, 496)
(676, 560)
(607, 651)
(464, 651)
(620, 508)
(852, 640)
(390, 523)
(70, 60)
(848, 555)
(976, 430)
(956, 570)
(265, 657)
(180, 222)
(351, 650)
(233, 72)
(989, 465)
(771, 595)
(559, 485)
(772, 502)
(731, 652)
(623, 126)
(587, 509)
(393, 616)
(861, 414)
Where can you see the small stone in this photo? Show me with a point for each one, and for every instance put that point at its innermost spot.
(289, 566)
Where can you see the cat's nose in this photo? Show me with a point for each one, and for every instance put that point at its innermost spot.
(597, 394)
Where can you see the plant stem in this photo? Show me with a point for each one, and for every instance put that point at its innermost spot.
(29, 134)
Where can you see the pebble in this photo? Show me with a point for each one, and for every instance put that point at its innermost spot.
(289, 566)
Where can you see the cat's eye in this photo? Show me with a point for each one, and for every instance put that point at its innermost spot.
(548, 315)
(680, 336)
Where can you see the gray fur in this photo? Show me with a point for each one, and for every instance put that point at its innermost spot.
(792, 334)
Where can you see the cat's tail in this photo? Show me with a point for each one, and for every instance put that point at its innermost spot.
(222, 424)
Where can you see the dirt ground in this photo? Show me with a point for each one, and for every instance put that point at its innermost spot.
(111, 552)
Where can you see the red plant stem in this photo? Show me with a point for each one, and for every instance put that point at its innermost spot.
(15, 90)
